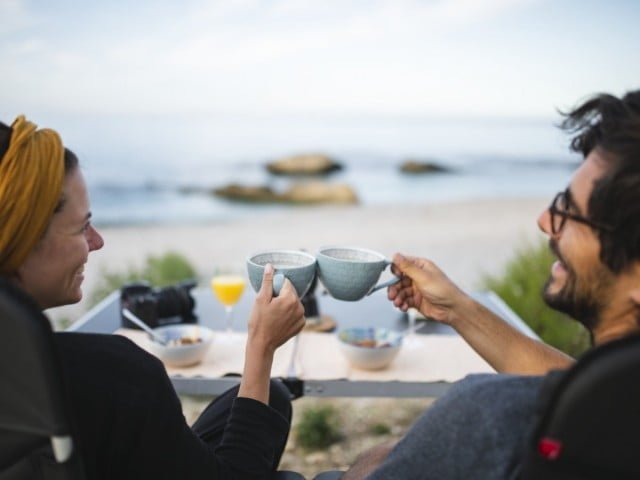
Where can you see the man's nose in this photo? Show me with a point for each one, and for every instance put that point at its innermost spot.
(544, 222)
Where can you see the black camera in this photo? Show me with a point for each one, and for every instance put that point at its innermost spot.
(158, 306)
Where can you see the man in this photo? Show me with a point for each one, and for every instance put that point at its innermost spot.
(477, 430)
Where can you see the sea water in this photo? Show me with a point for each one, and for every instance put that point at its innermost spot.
(139, 166)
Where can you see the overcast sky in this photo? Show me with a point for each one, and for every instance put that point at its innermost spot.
(400, 57)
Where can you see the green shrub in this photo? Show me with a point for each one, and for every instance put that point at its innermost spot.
(520, 287)
(379, 429)
(159, 271)
(318, 427)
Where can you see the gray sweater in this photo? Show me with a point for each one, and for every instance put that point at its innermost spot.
(476, 430)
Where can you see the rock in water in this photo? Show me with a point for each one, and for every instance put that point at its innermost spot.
(306, 164)
(416, 166)
(258, 194)
(320, 192)
(300, 193)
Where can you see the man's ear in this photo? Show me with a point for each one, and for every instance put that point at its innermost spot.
(634, 293)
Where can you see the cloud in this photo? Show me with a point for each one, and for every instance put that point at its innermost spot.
(465, 11)
(15, 16)
(256, 55)
(214, 35)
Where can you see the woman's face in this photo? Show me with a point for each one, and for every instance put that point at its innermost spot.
(53, 272)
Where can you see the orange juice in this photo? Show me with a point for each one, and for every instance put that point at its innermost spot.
(228, 288)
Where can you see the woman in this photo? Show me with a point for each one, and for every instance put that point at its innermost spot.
(127, 416)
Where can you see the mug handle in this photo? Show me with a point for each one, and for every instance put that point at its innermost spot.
(388, 283)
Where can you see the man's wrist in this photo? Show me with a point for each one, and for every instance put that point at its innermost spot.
(463, 309)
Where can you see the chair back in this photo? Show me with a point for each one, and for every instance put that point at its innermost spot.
(35, 432)
(588, 426)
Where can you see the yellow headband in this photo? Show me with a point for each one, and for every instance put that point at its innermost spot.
(31, 176)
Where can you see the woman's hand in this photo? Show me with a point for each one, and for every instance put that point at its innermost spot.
(274, 320)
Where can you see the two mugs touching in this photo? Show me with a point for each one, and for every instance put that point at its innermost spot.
(347, 273)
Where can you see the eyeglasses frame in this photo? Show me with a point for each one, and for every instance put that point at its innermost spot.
(564, 215)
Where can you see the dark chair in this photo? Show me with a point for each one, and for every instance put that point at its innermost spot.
(589, 418)
(35, 434)
(36, 439)
(331, 475)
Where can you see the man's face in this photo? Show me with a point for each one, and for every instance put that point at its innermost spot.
(579, 284)
(53, 272)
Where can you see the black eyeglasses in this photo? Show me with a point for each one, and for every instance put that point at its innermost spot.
(559, 212)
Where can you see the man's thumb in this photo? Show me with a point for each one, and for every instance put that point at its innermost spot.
(401, 262)
(406, 266)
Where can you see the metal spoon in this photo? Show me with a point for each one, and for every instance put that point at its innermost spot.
(131, 316)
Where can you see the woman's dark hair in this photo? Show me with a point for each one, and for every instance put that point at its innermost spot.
(70, 161)
(612, 126)
(70, 165)
(5, 136)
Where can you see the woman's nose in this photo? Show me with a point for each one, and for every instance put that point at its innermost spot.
(96, 242)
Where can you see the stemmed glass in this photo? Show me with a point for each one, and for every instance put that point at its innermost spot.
(228, 287)
(410, 340)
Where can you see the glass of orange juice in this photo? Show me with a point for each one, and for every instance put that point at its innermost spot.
(228, 288)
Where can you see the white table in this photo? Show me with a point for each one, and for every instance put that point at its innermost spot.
(440, 345)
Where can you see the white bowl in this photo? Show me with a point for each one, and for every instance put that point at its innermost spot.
(369, 348)
(182, 355)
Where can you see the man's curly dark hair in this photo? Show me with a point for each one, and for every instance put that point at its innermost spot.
(612, 126)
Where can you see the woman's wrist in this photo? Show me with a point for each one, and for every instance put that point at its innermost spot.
(260, 347)
(257, 372)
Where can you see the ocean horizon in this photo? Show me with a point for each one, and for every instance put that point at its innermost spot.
(138, 166)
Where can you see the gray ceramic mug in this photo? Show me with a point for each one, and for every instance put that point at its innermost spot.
(299, 267)
(351, 273)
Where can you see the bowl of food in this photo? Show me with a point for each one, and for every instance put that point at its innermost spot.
(369, 348)
(185, 344)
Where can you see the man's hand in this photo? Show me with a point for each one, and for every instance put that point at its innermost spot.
(425, 287)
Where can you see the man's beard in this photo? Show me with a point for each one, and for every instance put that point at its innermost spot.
(580, 298)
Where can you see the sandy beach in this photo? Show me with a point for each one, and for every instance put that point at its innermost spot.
(466, 239)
